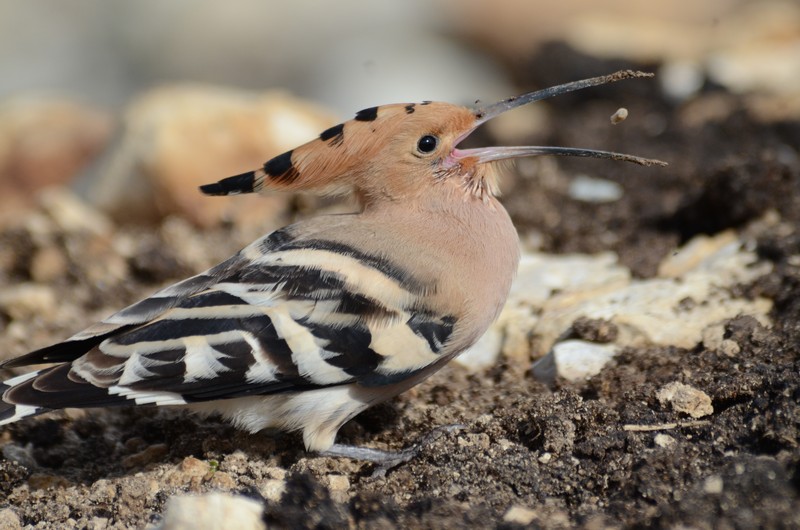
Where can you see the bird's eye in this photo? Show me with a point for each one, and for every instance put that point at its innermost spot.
(427, 143)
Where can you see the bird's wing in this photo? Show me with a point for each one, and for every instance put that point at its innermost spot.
(282, 315)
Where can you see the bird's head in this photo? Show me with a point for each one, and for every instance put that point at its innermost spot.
(399, 151)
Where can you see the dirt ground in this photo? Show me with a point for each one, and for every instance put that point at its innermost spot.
(570, 455)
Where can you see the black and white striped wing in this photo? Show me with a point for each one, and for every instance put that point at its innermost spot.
(275, 318)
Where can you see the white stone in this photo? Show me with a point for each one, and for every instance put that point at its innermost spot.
(713, 485)
(594, 190)
(212, 511)
(664, 440)
(577, 360)
(680, 79)
(483, 353)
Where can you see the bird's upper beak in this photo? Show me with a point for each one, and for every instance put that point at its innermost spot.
(491, 154)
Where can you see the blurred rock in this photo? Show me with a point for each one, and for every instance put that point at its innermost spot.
(44, 141)
(519, 515)
(222, 481)
(594, 190)
(514, 27)
(743, 46)
(64, 236)
(758, 48)
(686, 399)
(338, 486)
(272, 489)
(179, 137)
(212, 511)
(753, 46)
(72, 215)
(9, 520)
(26, 301)
(47, 264)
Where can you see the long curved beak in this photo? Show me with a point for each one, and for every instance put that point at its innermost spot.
(491, 154)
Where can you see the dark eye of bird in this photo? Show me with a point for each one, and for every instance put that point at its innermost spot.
(427, 143)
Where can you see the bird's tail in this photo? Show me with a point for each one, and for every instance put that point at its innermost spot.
(11, 412)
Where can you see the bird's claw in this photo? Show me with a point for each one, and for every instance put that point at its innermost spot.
(387, 460)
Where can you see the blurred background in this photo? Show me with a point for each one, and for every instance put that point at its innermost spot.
(131, 102)
(353, 53)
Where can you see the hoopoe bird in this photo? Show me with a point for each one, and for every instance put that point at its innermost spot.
(315, 322)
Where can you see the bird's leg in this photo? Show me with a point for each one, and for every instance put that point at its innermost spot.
(387, 460)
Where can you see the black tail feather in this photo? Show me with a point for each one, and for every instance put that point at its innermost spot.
(57, 388)
(244, 183)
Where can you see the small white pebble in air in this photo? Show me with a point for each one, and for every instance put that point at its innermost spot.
(619, 116)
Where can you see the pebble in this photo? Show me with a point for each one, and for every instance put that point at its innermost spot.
(741, 54)
(222, 481)
(578, 360)
(664, 440)
(594, 190)
(212, 511)
(519, 515)
(98, 523)
(686, 399)
(483, 354)
(619, 116)
(194, 467)
(9, 520)
(713, 485)
(103, 491)
(338, 485)
(272, 489)
(713, 339)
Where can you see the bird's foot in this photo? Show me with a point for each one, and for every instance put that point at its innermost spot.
(387, 460)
